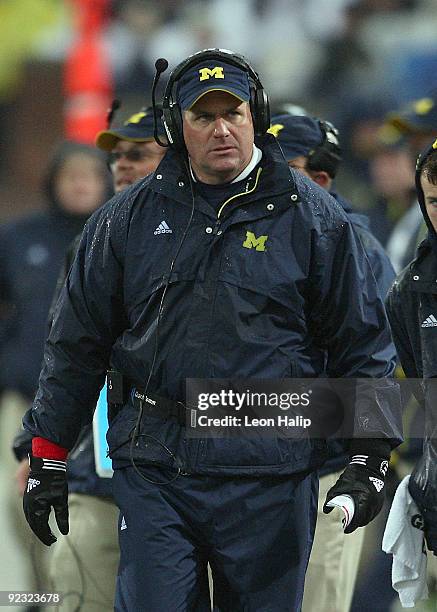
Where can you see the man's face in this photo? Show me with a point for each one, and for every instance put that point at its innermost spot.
(218, 134)
(321, 177)
(299, 163)
(133, 161)
(430, 193)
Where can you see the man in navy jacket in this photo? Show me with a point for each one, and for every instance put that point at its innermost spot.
(222, 264)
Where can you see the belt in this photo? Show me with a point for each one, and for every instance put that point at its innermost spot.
(158, 406)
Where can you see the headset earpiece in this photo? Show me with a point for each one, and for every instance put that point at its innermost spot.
(172, 119)
(326, 156)
(261, 114)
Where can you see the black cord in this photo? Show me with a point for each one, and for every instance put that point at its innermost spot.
(136, 433)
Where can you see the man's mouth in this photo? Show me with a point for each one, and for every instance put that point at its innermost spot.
(125, 180)
(223, 149)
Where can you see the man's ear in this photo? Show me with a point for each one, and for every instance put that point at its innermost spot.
(322, 178)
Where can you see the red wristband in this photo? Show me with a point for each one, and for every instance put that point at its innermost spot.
(48, 450)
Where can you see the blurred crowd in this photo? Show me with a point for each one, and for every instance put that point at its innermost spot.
(368, 66)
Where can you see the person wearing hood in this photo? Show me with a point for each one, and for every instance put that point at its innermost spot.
(311, 146)
(32, 250)
(412, 312)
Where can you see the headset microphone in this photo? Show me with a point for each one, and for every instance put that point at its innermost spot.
(115, 105)
(161, 66)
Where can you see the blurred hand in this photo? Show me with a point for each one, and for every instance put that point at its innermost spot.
(21, 476)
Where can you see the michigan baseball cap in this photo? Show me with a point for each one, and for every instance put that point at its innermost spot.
(418, 116)
(212, 75)
(297, 134)
(138, 128)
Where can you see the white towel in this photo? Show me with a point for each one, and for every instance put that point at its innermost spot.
(405, 542)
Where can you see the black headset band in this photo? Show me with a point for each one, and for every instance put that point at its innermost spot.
(327, 155)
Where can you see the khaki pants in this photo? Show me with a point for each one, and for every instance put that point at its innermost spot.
(84, 563)
(31, 555)
(334, 560)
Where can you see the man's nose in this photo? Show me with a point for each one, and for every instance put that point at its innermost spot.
(220, 128)
(123, 160)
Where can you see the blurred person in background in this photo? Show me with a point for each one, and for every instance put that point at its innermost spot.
(32, 250)
(391, 176)
(416, 123)
(311, 146)
(382, 191)
(84, 563)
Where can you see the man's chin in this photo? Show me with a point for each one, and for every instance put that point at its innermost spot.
(120, 185)
(227, 168)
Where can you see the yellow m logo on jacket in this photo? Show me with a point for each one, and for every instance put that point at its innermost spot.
(207, 73)
(252, 242)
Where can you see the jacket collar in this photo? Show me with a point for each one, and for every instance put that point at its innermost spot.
(423, 270)
(171, 177)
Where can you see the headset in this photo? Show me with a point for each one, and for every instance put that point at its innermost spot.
(327, 155)
(172, 114)
(172, 119)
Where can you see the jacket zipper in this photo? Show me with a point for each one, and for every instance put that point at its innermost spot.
(237, 195)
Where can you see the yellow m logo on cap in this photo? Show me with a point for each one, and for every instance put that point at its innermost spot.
(423, 106)
(252, 242)
(275, 129)
(207, 73)
(135, 118)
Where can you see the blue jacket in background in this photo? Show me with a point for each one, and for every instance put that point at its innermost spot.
(384, 275)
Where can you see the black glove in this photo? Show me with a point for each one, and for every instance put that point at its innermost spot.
(46, 487)
(423, 489)
(364, 480)
(430, 529)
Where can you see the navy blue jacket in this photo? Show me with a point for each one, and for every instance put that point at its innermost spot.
(230, 312)
(32, 250)
(379, 260)
(384, 275)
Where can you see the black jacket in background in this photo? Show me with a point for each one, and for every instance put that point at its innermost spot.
(412, 309)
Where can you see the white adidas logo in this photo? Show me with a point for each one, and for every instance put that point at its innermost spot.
(378, 484)
(430, 321)
(32, 483)
(163, 228)
(123, 524)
